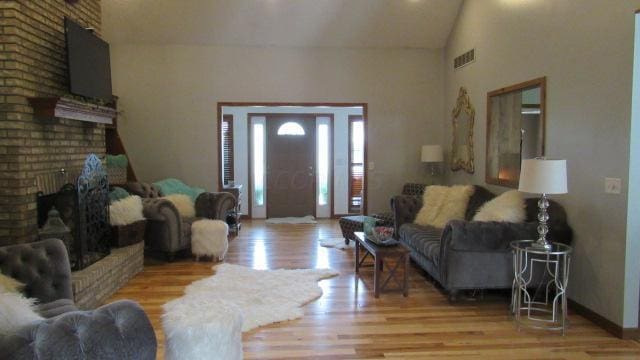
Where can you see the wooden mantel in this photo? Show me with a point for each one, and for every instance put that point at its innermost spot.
(59, 107)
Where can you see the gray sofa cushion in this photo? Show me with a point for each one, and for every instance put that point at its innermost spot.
(55, 308)
(424, 239)
(43, 266)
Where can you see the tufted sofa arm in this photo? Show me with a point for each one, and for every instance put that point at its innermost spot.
(405, 208)
(214, 205)
(475, 254)
(42, 266)
(119, 330)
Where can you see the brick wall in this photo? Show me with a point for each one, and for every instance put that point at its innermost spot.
(33, 64)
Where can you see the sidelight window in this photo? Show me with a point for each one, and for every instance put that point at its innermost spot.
(356, 163)
(258, 161)
(227, 148)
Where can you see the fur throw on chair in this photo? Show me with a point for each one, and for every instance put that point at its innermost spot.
(16, 311)
(184, 204)
(441, 204)
(126, 211)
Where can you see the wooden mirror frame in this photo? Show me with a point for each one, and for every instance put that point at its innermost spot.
(463, 104)
(526, 85)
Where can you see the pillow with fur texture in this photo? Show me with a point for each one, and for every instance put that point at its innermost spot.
(507, 207)
(184, 204)
(126, 211)
(442, 204)
(9, 284)
(16, 311)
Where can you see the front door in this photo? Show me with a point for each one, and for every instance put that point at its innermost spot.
(291, 154)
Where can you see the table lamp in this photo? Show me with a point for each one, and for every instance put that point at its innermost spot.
(543, 176)
(431, 154)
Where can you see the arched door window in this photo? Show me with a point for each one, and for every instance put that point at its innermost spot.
(291, 128)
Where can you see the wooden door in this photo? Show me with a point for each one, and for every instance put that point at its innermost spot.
(291, 173)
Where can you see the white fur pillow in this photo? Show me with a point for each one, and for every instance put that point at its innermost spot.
(184, 204)
(126, 211)
(508, 207)
(9, 284)
(16, 311)
(442, 204)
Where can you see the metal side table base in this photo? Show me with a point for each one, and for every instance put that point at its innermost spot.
(539, 291)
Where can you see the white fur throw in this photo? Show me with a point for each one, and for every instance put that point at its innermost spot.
(126, 211)
(184, 204)
(206, 322)
(202, 327)
(16, 311)
(9, 284)
(508, 206)
(209, 238)
(442, 204)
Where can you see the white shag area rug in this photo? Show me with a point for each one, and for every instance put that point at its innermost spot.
(292, 220)
(337, 243)
(262, 296)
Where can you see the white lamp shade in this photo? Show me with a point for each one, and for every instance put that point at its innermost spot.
(431, 153)
(543, 176)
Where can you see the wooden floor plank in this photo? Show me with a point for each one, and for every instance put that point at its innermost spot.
(347, 322)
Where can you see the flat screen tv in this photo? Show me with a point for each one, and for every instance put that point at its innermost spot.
(88, 62)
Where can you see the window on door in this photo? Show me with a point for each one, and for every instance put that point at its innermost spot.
(227, 148)
(356, 163)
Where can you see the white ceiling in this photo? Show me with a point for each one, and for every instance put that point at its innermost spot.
(307, 23)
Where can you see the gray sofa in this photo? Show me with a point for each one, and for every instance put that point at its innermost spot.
(471, 254)
(166, 230)
(120, 330)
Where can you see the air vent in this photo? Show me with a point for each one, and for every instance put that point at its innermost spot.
(464, 59)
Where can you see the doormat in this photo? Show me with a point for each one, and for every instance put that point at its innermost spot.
(292, 220)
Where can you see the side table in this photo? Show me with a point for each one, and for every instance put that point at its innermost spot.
(540, 302)
(234, 216)
(399, 253)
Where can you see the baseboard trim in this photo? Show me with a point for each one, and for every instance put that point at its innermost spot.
(606, 324)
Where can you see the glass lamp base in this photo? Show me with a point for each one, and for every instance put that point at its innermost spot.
(542, 245)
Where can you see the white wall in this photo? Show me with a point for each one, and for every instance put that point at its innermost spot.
(340, 148)
(585, 48)
(168, 95)
(633, 225)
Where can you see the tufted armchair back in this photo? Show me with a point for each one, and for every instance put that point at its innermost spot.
(43, 267)
(144, 190)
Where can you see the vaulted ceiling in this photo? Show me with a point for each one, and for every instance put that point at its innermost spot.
(298, 23)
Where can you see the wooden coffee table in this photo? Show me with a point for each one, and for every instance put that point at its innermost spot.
(380, 254)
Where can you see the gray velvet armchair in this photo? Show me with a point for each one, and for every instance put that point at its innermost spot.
(166, 230)
(120, 330)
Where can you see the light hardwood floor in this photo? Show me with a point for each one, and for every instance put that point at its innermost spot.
(347, 322)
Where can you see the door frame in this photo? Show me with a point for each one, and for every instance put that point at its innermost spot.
(365, 115)
(315, 183)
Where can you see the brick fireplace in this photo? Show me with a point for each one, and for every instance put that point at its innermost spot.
(33, 64)
(33, 70)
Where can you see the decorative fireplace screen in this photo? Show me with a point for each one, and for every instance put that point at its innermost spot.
(92, 241)
(84, 208)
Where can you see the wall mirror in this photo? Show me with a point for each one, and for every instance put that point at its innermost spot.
(462, 143)
(515, 129)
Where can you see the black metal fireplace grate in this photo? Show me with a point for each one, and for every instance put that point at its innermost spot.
(84, 208)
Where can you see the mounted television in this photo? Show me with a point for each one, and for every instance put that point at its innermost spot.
(88, 62)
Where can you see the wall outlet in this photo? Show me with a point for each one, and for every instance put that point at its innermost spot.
(372, 165)
(612, 185)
